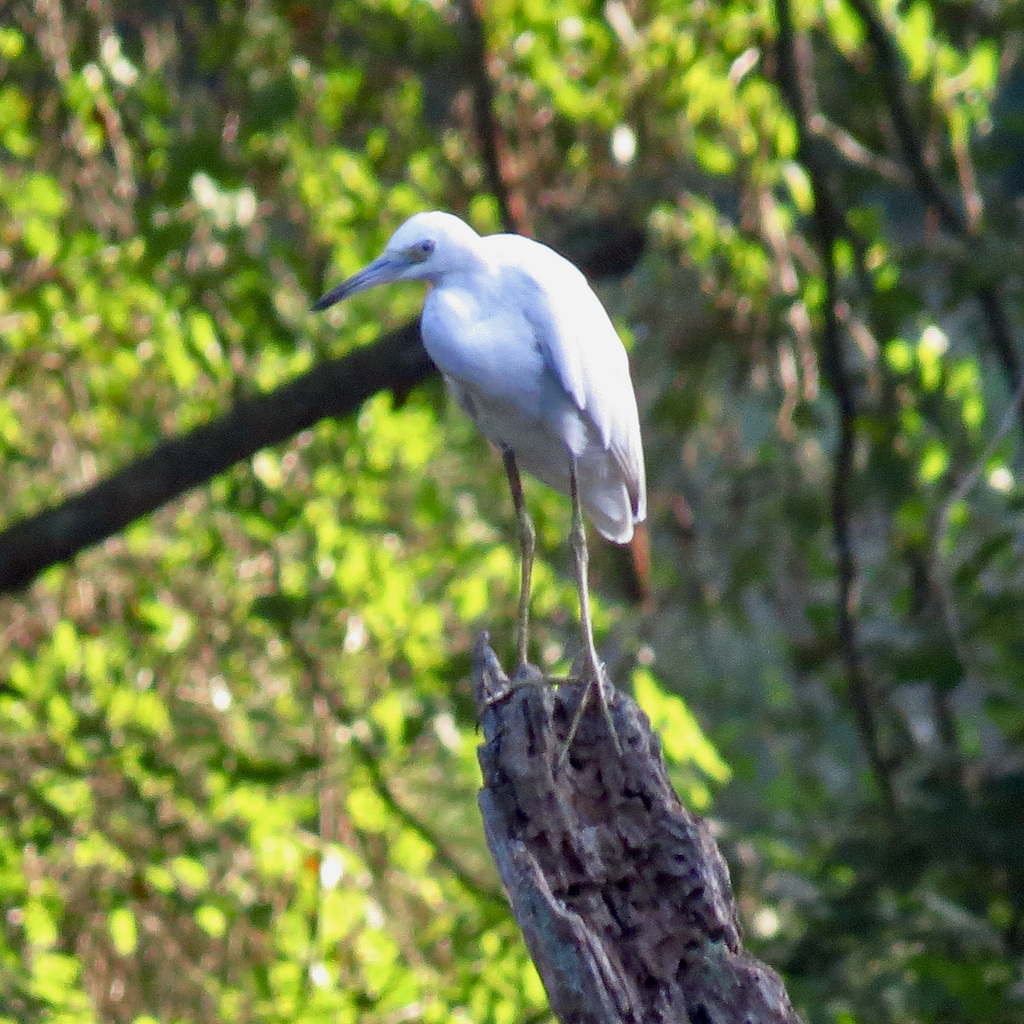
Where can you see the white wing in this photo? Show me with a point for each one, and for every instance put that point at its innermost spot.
(581, 347)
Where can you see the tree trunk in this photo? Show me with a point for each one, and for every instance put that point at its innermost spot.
(621, 893)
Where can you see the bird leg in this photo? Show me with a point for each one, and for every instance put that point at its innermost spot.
(527, 547)
(593, 670)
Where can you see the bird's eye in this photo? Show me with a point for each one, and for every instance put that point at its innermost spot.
(427, 246)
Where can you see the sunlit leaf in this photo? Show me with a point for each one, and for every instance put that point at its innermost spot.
(123, 930)
(682, 738)
(934, 462)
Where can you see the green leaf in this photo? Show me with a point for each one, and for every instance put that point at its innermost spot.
(367, 809)
(123, 930)
(212, 920)
(934, 462)
(682, 738)
(799, 185)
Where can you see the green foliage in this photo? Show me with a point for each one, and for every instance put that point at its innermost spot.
(237, 769)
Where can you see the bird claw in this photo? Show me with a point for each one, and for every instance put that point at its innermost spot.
(592, 675)
(524, 675)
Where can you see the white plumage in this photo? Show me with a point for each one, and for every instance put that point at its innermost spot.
(531, 355)
(529, 352)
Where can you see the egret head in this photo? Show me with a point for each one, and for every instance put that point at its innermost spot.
(426, 247)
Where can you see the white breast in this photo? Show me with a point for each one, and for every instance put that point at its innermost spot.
(485, 345)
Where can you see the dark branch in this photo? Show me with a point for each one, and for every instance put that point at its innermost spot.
(622, 895)
(829, 225)
(834, 367)
(337, 387)
(492, 145)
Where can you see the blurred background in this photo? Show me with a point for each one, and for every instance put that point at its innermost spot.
(237, 740)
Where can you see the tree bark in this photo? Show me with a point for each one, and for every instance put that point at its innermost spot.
(621, 893)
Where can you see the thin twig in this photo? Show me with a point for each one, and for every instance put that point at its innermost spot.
(970, 480)
(442, 854)
(854, 152)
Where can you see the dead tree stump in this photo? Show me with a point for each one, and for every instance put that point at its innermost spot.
(621, 893)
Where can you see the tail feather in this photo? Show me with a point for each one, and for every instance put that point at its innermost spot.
(610, 510)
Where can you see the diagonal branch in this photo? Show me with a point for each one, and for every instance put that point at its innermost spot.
(369, 758)
(1001, 336)
(829, 226)
(337, 387)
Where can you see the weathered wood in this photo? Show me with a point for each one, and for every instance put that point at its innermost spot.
(621, 893)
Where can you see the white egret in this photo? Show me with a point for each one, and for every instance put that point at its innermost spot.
(530, 354)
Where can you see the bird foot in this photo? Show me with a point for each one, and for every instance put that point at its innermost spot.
(595, 677)
(592, 676)
(524, 675)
